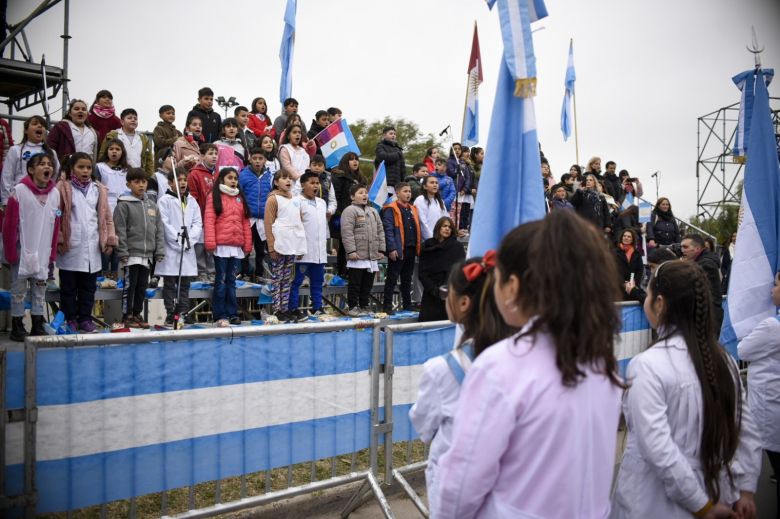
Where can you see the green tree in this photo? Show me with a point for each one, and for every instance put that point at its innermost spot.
(368, 134)
(725, 223)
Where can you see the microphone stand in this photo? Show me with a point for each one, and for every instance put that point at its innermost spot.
(184, 238)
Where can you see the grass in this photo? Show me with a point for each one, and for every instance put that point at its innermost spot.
(230, 489)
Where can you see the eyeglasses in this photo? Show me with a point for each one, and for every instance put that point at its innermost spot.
(444, 291)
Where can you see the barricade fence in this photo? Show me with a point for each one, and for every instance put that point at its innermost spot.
(88, 420)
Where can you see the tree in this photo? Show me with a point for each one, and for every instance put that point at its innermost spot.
(725, 223)
(368, 134)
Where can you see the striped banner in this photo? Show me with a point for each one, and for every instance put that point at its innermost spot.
(115, 422)
(412, 349)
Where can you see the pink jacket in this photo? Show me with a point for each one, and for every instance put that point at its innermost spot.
(106, 232)
(11, 223)
(229, 228)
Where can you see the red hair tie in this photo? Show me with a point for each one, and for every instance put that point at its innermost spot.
(473, 270)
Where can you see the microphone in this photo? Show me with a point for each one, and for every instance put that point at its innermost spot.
(654, 175)
(444, 131)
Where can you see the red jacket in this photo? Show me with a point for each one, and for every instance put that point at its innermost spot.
(103, 126)
(199, 183)
(260, 126)
(429, 164)
(229, 228)
(11, 224)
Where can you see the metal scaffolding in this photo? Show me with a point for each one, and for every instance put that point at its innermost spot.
(718, 174)
(25, 80)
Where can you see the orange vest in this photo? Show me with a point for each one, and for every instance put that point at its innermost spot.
(398, 221)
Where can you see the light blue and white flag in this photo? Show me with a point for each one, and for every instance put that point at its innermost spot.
(510, 187)
(567, 115)
(286, 50)
(377, 193)
(470, 135)
(645, 211)
(756, 257)
(745, 82)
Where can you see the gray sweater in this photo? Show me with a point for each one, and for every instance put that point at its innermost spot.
(362, 232)
(139, 228)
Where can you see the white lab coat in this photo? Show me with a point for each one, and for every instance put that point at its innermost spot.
(170, 215)
(762, 350)
(660, 474)
(434, 411)
(429, 215)
(315, 224)
(84, 252)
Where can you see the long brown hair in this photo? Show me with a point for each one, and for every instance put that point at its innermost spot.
(482, 322)
(581, 317)
(688, 311)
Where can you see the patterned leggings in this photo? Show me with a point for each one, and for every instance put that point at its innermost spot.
(281, 279)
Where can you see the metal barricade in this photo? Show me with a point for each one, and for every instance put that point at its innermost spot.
(369, 357)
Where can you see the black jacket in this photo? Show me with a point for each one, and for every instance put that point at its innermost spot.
(592, 206)
(627, 267)
(710, 264)
(341, 183)
(613, 186)
(393, 155)
(212, 122)
(436, 260)
(663, 231)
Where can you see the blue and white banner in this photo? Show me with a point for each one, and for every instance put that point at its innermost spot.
(516, 17)
(645, 211)
(511, 191)
(286, 50)
(412, 349)
(567, 116)
(756, 257)
(377, 193)
(470, 136)
(745, 81)
(116, 422)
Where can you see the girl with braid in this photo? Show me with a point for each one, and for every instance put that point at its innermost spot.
(693, 446)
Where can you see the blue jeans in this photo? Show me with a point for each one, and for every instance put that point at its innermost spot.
(223, 301)
(316, 273)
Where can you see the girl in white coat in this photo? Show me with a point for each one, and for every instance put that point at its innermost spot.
(692, 445)
(762, 350)
(171, 216)
(430, 206)
(469, 303)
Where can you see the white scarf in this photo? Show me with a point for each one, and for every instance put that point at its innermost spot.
(232, 191)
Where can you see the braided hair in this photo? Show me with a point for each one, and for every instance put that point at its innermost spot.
(688, 311)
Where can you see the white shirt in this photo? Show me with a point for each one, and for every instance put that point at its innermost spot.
(762, 350)
(315, 224)
(116, 182)
(84, 138)
(660, 474)
(133, 147)
(429, 215)
(84, 248)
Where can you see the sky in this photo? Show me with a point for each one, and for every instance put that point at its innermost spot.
(645, 70)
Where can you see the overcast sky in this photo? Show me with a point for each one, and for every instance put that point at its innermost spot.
(645, 70)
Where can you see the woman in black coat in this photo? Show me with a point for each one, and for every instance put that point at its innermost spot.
(591, 205)
(629, 259)
(662, 229)
(437, 257)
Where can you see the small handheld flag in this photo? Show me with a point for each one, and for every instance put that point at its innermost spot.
(377, 193)
(335, 141)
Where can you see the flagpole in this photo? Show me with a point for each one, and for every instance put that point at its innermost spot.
(576, 134)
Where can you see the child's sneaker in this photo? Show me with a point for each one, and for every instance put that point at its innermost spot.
(283, 317)
(222, 323)
(168, 320)
(87, 326)
(235, 320)
(354, 312)
(319, 312)
(296, 316)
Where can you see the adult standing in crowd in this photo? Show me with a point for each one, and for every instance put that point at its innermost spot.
(389, 151)
(693, 250)
(210, 120)
(437, 257)
(612, 183)
(726, 259)
(663, 228)
(102, 115)
(591, 205)
(629, 260)
(594, 168)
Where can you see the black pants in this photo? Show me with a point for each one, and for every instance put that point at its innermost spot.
(136, 280)
(259, 246)
(774, 460)
(403, 268)
(77, 294)
(341, 260)
(169, 294)
(359, 288)
(464, 215)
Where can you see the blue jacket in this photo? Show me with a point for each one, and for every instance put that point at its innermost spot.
(446, 188)
(255, 190)
(394, 223)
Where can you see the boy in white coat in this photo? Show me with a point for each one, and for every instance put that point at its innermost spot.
(171, 210)
(311, 264)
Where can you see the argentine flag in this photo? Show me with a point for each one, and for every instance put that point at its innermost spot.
(756, 258)
(571, 77)
(377, 193)
(335, 141)
(286, 50)
(510, 188)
